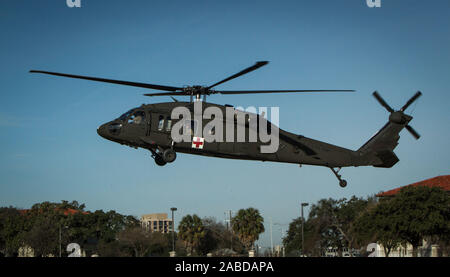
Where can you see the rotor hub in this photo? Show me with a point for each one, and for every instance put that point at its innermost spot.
(398, 117)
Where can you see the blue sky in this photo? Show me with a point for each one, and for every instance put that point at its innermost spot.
(50, 151)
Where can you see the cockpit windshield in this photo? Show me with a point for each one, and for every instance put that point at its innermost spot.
(137, 117)
(125, 115)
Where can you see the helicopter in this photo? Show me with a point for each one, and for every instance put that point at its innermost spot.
(150, 126)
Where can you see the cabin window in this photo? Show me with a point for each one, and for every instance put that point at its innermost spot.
(168, 124)
(161, 123)
(212, 131)
(191, 126)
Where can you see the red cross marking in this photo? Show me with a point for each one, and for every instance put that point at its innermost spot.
(197, 143)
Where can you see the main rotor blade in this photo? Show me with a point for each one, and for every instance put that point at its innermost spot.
(245, 71)
(412, 131)
(382, 102)
(411, 100)
(277, 91)
(134, 84)
(166, 94)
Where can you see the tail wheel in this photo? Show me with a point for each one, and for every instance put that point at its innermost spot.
(343, 183)
(169, 155)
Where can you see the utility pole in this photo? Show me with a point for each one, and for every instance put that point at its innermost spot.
(60, 240)
(231, 233)
(226, 220)
(271, 240)
(303, 220)
(281, 227)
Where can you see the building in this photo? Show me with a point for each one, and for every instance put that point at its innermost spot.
(427, 249)
(442, 182)
(157, 223)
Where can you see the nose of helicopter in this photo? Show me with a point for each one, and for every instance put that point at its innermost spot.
(101, 131)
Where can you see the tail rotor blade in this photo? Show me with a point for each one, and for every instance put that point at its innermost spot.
(412, 131)
(411, 100)
(382, 102)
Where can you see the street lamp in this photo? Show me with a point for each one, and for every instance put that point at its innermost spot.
(65, 227)
(303, 220)
(173, 229)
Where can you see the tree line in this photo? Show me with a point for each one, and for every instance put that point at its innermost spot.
(47, 228)
(413, 214)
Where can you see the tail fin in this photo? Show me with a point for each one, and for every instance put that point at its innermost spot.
(379, 150)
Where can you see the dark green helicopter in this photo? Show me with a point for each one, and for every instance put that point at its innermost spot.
(149, 126)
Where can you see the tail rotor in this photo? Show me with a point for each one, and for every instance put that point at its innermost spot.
(399, 116)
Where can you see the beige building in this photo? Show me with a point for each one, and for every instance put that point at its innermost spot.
(157, 223)
(426, 250)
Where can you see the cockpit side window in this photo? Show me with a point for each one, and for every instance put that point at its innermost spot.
(137, 117)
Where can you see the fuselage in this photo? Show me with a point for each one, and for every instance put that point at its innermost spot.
(150, 127)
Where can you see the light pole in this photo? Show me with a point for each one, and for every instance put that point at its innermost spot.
(303, 220)
(173, 229)
(231, 232)
(271, 240)
(282, 233)
(65, 227)
(60, 240)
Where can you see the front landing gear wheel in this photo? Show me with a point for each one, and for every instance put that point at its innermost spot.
(159, 160)
(169, 155)
(343, 183)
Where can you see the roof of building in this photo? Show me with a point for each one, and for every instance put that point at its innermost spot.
(156, 216)
(442, 182)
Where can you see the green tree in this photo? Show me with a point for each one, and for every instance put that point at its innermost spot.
(331, 223)
(421, 212)
(191, 231)
(39, 228)
(349, 211)
(248, 225)
(218, 237)
(377, 224)
(13, 226)
(293, 239)
(43, 238)
(323, 214)
(143, 243)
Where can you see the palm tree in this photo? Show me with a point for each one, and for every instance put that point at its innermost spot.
(191, 231)
(248, 224)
